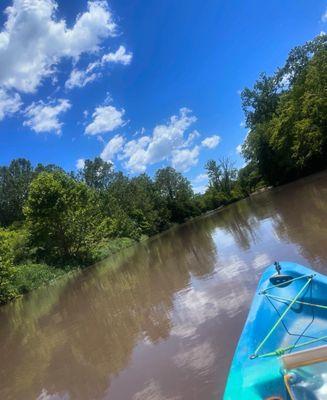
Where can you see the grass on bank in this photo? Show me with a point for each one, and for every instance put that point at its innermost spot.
(33, 275)
(19, 274)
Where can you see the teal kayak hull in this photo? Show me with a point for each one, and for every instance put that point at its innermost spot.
(261, 376)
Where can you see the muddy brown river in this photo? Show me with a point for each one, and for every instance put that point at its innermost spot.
(160, 320)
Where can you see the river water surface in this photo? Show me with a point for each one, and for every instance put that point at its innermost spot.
(160, 321)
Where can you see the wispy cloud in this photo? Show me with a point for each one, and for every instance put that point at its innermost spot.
(211, 142)
(121, 56)
(80, 78)
(44, 117)
(9, 104)
(324, 16)
(113, 147)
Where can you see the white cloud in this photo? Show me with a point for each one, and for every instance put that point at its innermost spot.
(135, 154)
(105, 119)
(239, 149)
(119, 57)
(80, 163)
(34, 40)
(113, 147)
(167, 137)
(168, 142)
(200, 183)
(201, 178)
(9, 104)
(43, 117)
(184, 159)
(160, 146)
(242, 124)
(324, 16)
(191, 138)
(211, 142)
(79, 78)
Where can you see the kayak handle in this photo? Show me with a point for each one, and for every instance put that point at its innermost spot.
(278, 267)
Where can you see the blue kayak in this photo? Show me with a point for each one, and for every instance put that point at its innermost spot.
(282, 351)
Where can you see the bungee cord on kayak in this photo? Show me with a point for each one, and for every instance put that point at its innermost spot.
(280, 351)
(286, 333)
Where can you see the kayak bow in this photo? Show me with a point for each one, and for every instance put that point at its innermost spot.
(288, 313)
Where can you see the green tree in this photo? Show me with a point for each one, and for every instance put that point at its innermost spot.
(46, 168)
(176, 192)
(259, 104)
(222, 176)
(97, 174)
(148, 208)
(7, 273)
(286, 114)
(7, 270)
(299, 128)
(258, 149)
(14, 183)
(249, 178)
(214, 174)
(63, 217)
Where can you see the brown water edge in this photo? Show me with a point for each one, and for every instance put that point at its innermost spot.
(160, 321)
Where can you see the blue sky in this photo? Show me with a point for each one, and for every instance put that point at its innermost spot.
(144, 84)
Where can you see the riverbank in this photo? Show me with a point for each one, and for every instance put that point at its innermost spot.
(27, 275)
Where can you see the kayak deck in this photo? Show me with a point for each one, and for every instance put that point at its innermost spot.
(286, 315)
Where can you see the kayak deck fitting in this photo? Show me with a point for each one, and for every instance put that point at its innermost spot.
(288, 313)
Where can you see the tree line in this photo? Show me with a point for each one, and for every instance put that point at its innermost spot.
(286, 115)
(52, 221)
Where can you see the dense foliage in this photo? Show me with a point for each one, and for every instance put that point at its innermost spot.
(52, 221)
(63, 217)
(287, 116)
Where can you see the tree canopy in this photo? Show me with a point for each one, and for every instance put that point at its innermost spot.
(287, 116)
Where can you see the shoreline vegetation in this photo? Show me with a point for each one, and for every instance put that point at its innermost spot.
(53, 222)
